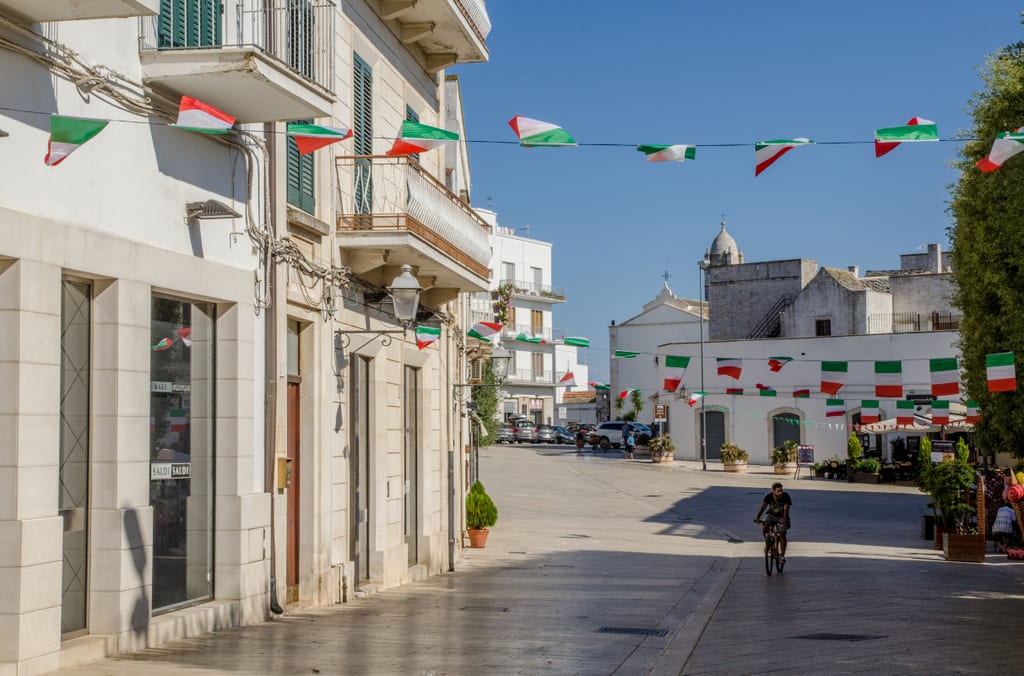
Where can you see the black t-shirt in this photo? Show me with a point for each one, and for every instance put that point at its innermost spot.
(776, 505)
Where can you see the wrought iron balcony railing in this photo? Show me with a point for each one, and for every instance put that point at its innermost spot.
(523, 288)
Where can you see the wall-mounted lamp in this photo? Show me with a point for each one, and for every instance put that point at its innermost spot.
(209, 209)
(405, 301)
(500, 360)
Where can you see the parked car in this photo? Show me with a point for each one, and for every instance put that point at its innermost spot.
(525, 432)
(563, 436)
(608, 434)
(546, 434)
(505, 434)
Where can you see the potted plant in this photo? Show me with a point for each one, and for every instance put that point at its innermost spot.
(784, 457)
(734, 458)
(866, 471)
(481, 514)
(853, 453)
(819, 470)
(662, 449)
(948, 483)
(922, 467)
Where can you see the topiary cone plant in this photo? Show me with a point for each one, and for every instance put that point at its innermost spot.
(481, 514)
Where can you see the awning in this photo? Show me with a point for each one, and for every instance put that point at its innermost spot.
(922, 423)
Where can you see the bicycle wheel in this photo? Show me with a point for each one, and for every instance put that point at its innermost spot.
(769, 550)
(779, 563)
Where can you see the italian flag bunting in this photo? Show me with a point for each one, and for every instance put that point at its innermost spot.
(889, 379)
(568, 380)
(869, 411)
(164, 344)
(674, 153)
(311, 137)
(524, 337)
(179, 419)
(776, 363)
(1006, 145)
(734, 390)
(625, 393)
(484, 331)
(1002, 375)
(197, 116)
(940, 412)
(598, 386)
(577, 341)
(801, 394)
(767, 391)
(766, 152)
(68, 134)
(676, 367)
(695, 397)
(973, 415)
(835, 407)
(419, 138)
(625, 354)
(425, 335)
(904, 413)
(533, 133)
(945, 376)
(730, 367)
(916, 129)
(833, 376)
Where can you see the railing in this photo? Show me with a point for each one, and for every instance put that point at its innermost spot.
(522, 288)
(513, 330)
(912, 322)
(476, 14)
(396, 193)
(770, 325)
(531, 376)
(298, 33)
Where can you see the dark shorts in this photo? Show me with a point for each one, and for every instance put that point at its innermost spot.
(772, 520)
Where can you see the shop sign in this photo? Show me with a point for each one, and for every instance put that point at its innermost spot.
(162, 386)
(158, 471)
(536, 404)
(660, 412)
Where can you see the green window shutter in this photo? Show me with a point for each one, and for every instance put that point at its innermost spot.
(301, 177)
(412, 116)
(362, 131)
(190, 23)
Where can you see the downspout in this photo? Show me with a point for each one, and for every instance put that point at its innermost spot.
(270, 369)
(451, 466)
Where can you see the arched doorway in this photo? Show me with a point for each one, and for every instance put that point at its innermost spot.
(785, 427)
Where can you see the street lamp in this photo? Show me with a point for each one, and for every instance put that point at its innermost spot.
(500, 360)
(702, 266)
(405, 303)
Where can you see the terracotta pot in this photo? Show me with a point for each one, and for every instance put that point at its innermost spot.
(478, 537)
(734, 466)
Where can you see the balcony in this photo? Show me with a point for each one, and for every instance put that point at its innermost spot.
(392, 211)
(448, 31)
(531, 291)
(37, 11)
(261, 61)
(913, 322)
(530, 377)
(513, 330)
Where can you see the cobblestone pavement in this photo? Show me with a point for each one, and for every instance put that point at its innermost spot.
(600, 565)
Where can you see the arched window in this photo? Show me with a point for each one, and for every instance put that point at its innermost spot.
(785, 427)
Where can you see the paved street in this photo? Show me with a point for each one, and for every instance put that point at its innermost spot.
(600, 565)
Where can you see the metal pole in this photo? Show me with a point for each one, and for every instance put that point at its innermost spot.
(703, 408)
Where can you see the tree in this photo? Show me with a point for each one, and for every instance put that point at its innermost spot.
(486, 399)
(637, 400)
(988, 249)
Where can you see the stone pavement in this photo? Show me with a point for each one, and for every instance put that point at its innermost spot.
(600, 565)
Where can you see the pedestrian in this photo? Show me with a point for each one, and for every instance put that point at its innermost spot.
(630, 442)
(1004, 526)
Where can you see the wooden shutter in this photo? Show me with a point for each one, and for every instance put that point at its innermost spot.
(301, 177)
(362, 132)
(189, 23)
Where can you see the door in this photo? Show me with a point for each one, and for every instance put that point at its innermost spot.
(785, 427)
(292, 563)
(715, 422)
(410, 494)
(359, 469)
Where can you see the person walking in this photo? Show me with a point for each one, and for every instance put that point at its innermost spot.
(630, 442)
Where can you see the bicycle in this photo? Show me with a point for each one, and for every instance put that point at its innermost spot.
(772, 551)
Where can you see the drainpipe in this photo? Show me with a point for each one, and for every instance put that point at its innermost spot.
(270, 371)
(451, 472)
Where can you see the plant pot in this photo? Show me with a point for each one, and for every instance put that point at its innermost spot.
(928, 526)
(478, 537)
(788, 468)
(662, 457)
(819, 474)
(738, 466)
(865, 477)
(939, 532)
(963, 547)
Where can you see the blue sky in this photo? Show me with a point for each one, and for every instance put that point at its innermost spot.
(668, 71)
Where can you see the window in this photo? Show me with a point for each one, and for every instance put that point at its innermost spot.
(537, 276)
(362, 133)
(785, 427)
(189, 23)
(537, 365)
(823, 327)
(537, 323)
(508, 272)
(412, 116)
(301, 181)
(300, 37)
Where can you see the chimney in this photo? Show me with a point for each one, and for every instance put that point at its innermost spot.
(935, 258)
(854, 269)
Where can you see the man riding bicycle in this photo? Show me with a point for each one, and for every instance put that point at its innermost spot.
(777, 504)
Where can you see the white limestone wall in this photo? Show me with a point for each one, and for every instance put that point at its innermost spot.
(923, 294)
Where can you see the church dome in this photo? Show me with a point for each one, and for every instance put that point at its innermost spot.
(724, 250)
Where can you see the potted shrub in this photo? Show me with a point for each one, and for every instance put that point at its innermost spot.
(854, 451)
(662, 449)
(481, 514)
(948, 483)
(784, 457)
(866, 471)
(734, 458)
(819, 470)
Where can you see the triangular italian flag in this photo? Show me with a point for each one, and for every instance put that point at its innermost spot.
(766, 152)
(625, 354)
(419, 138)
(945, 376)
(599, 386)
(425, 335)
(185, 335)
(533, 133)
(695, 397)
(973, 415)
(1002, 374)
(734, 390)
(67, 134)
(1006, 145)
(835, 407)
(164, 344)
(916, 129)
(766, 391)
(625, 393)
(577, 341)
(310, 137)
(904, 413)
(568, 380)
(195, 115)
(524, 337)
(673, 153)
(676, 368)
(801, 394)
(833, 376)
(940, 412)
(869, 411)
(484, 331)
(889, 379)
(776, 363)
(730, 367)
(179, 419)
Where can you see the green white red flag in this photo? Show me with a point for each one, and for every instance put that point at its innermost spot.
(419, 138)
(178, 419)
(524, 337)
(568, 380)
(197, 116)
(889, 379)
(599, 386)
(1002, 374)
(672, 153)
(833, 376)
(675, 369)
(730, 367)
(577, 341)
(940, 412)
(164, 344)
(533, 133)
(1006, 145)
(945, 376)
(68, 134)
(311, 137)
(767, 152)
(734, 390)
(695, 397)
(869, 411)
(425, 335)
(484, 331)
(973, 414)
(904, 413)
(767, 392)
(776, 364)
(916, 129)
(625, 354)
(801, 394)
(835, 407)
(625, 393)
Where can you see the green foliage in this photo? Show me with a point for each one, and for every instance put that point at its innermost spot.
(637, 399)
(853, 448)
(988, 249)
(784, 454)
(733, 453)
(480, 509)
(924, 464)
(869, 465)
(486, 399)
(947, 484)
(962, 450)
(661, 446)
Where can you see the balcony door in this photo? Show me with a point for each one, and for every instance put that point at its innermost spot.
(190, 23)
(410, 493)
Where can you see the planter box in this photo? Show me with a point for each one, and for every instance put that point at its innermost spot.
(865, 477)
(963, 547)
(939, 532)
(662, 457)
(788, 468)
(734, 466)
(928, 526)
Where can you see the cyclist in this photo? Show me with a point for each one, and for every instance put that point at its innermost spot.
(777, 504)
